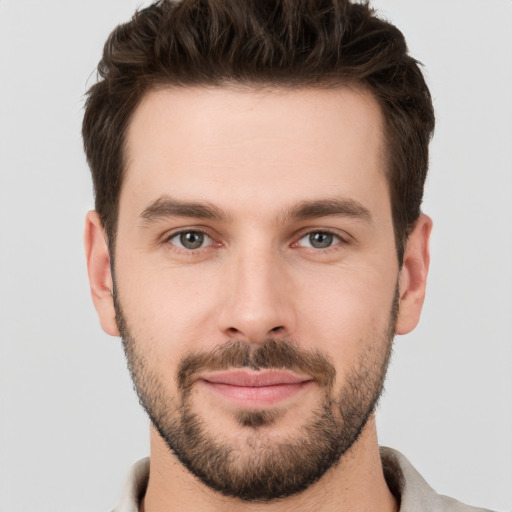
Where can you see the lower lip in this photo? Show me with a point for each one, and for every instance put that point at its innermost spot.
(256, 396)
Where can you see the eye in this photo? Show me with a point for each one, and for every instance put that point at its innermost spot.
(319, 240)
(190, 240)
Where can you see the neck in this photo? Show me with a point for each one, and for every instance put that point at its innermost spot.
(355, 483)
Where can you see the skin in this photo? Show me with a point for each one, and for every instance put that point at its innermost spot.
(256, 156)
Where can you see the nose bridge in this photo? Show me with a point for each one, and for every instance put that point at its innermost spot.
(257, 304)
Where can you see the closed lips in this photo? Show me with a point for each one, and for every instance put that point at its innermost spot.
(255, 379)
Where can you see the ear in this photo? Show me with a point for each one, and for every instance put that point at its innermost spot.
(413, 275)
(100, 275)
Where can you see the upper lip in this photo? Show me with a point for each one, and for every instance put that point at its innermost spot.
(253, 378)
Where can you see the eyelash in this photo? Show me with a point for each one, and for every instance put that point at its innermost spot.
(185, 250)
(338, 240)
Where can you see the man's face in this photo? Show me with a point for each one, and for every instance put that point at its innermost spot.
(256, 278)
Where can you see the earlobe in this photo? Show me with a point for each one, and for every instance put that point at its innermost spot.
(99, 270)
(413, 275)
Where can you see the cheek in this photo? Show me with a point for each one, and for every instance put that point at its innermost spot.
(347, 313)
(169, 306)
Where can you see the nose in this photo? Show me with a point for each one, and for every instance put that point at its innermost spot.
(257, 298)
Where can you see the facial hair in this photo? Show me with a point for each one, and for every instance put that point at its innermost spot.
(262, 469)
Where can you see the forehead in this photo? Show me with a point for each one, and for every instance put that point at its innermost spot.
(251, 143)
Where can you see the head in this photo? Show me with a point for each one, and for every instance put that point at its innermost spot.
(257, 240)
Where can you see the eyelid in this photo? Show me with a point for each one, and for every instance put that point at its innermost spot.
(205, 242)
(343, 238)
(169, 235)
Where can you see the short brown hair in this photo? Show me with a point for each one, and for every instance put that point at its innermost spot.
(283, 43)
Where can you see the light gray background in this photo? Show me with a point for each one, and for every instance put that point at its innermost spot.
(70, 426)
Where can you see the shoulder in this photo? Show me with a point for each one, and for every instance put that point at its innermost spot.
(413, 492)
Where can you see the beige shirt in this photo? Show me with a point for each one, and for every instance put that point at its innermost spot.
(410, 489)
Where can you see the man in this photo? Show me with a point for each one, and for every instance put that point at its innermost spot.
(257, 243)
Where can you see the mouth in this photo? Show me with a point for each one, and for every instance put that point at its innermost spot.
(255, 389)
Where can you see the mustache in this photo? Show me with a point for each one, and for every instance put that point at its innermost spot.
(271, 354)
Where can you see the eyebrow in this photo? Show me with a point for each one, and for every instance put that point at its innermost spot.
(306, 210)
(166, 206)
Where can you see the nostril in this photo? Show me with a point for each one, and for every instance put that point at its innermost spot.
(276, 329)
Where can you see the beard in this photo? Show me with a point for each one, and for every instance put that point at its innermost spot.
(261, 468)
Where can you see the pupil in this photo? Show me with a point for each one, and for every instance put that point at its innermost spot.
(192, 239)
(320, 240)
